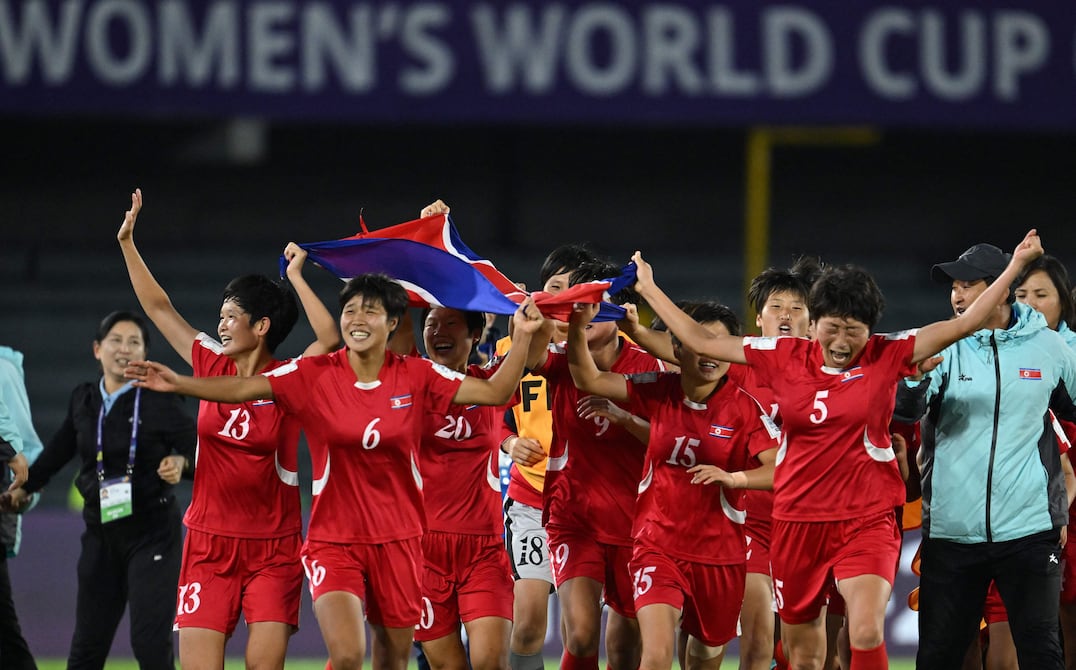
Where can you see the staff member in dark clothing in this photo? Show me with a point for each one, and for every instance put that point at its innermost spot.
(133, 445)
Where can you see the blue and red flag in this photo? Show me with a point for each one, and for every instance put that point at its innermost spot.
(559, 306)
(428, 257)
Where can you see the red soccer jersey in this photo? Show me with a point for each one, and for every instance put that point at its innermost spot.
(758, 503)
(460, 467)
(836, 459)
(594, 466)
(364, 439)
(695, 522)
(247, 481)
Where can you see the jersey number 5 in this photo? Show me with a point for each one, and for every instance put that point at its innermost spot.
(820, 411)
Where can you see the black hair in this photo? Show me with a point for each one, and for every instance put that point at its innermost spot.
(110, 321)
(796, 280)
(711, 312)
(597, 269)
(261, 297)
(378, 288)
(1059, 275)
(847, 292)
(685, 306)
(564, 258)
(474, 320)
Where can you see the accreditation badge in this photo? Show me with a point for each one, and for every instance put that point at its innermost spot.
(115, 499)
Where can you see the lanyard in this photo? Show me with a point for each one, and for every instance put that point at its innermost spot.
(134, 438)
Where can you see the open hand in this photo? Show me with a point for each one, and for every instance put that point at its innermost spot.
(126, 230)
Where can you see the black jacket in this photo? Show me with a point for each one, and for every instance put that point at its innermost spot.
(164, 429)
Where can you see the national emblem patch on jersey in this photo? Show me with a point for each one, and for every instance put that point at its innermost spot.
(400, 401)
(1030, 373)
(852, 374)
(723, 432)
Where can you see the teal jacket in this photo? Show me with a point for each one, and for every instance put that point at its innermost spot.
(17, 428)
(991, 468)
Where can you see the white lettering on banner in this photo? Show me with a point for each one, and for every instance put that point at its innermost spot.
(780, 25)
(873, 41)
(437, 59)
(54, 48)
(131, 17)
(514, 45)
(599, 48)
(353, 60)
(671, 40)
(185, 57)
(609, 22)
(724, 77)
(267, 41)
(1020, 46)
(959, 85)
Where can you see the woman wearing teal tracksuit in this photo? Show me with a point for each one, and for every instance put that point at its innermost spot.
(993, 489)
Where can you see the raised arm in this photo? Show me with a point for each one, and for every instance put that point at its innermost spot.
(585, 373)
(658, 343)
(934, 337)
(326, 329)
(691, 334)
(155, 302)
(498, 389)
(158, 377)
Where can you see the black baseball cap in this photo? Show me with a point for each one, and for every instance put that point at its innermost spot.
(979, 262)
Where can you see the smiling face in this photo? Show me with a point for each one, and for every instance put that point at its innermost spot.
(841, 339)
(1039, 292)
(364, 325)
(784, 313)
(447, 337)
(122, 344)
(698, 370)
(235, 331)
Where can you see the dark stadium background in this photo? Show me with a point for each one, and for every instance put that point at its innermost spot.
(224, 193)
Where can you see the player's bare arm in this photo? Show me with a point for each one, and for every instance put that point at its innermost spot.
(326, 330)
(151, 296)
(585, 373)
(934, 337)
(158, 377)
(498, 389)
(693, 335)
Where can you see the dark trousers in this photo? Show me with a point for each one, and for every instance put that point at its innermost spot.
(952, 590)
(14, 652)
(135, 561)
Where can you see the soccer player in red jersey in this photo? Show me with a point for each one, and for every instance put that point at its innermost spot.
(241, 552)
(779, 297)
(589, 499)
(363, 409)
(466, 576)
(704, 429)
(837, 482)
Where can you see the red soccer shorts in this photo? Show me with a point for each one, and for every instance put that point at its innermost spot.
(465, 577)
(576, 553)
(994, 609)
(222, 575)
(385, 577)
(695, 588)
(1068, 568)
(808, 556)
